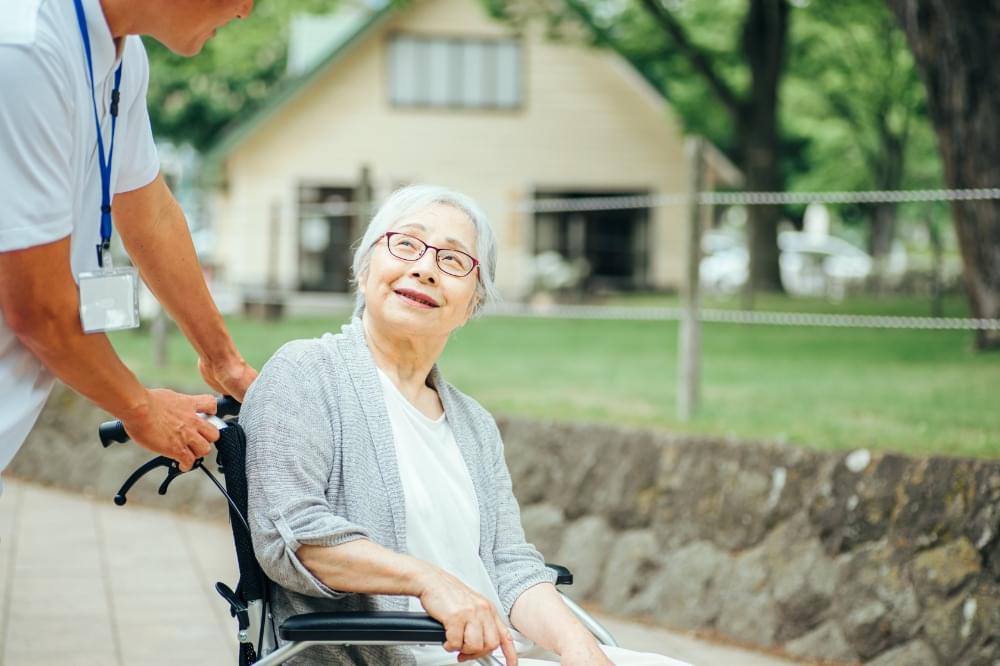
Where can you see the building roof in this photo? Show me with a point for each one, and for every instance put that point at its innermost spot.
(351, 30)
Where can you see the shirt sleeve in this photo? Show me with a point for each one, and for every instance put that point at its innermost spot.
(138, 159)
(289, 462)
(519, 565)
(35, 144)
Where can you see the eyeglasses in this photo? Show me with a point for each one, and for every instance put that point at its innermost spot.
(410, 248)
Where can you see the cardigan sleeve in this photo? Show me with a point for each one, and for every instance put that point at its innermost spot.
(519, 565)
(291, 450)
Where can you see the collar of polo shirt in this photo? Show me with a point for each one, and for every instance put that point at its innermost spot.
(102, 45)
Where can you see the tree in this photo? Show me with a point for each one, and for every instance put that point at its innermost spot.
(191, 100)
(747, 92)
(855, 91)
(955, 46)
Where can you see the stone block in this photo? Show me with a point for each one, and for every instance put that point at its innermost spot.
(584, 550)
(937, 499)
(729, 494)
(914, 653)
(941, 570)
(691, 585)
(749, 612)
(631, 573)
(544, 525)
(855, 504)
(875, 602)
(825, 642)
(969, 619)
(803, 584)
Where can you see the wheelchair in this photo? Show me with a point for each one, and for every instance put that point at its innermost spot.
(257, 635)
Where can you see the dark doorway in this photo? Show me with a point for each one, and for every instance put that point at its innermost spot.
(327, 229)
(614, 243)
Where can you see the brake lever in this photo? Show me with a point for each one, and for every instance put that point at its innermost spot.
(173, 471)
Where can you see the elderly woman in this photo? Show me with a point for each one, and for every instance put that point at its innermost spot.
(376, 485)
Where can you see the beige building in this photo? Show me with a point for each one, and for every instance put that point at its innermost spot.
(441, 92)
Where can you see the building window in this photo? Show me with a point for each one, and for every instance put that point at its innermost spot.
(434, 72)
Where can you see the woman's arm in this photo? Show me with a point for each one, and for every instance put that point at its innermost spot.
(540, 614)
(472, 625)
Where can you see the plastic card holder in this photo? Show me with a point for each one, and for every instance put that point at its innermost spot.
(109, 300)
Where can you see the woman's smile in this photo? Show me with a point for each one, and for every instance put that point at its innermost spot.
(417, 299)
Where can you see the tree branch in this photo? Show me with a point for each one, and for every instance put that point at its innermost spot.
(696, 57)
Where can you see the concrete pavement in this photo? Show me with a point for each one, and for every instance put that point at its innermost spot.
(86, 583)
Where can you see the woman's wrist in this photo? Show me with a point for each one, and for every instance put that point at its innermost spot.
(576, 641)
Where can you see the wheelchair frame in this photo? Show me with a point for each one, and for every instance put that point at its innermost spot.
(249, 603)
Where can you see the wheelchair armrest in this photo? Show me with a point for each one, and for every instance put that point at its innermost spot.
(390, 626)
(563, 575)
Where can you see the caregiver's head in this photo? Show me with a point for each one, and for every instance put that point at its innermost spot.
(427, 262)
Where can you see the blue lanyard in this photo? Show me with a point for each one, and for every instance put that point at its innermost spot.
(105, 162)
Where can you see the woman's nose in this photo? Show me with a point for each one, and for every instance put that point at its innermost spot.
(425, 268)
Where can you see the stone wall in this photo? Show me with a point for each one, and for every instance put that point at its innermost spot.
(879, 558)
(853, 557)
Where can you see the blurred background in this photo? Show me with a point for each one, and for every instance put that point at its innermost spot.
(568, 121)
(747, 363)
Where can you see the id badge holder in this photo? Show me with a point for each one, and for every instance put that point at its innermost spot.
(109, 298)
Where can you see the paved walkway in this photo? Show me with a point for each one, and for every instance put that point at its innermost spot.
(86, 583)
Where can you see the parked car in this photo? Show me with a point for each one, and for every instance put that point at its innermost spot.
(810, 265)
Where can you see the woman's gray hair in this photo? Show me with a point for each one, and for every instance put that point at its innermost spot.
(412, 199)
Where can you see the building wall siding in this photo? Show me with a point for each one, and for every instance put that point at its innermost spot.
(586, 123)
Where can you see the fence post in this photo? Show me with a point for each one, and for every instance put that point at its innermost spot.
(689, 348)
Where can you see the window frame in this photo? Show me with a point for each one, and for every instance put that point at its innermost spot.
(456, 72)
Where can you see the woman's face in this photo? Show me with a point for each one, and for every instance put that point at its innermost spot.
(417, 297)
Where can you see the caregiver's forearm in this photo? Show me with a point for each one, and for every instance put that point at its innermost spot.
(365, 567)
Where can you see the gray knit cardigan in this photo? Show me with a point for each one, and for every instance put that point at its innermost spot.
(322, 470)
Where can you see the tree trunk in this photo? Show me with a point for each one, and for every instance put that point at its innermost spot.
(955, 46)
(888, 176)
(764, 40)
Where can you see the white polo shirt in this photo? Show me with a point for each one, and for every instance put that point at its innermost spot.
(50, 184)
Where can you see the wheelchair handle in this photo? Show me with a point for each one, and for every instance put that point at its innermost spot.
(112, 432)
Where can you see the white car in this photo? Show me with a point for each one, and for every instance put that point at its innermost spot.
(810, 265)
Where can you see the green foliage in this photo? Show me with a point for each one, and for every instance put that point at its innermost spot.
(192, 99)
(854, 91)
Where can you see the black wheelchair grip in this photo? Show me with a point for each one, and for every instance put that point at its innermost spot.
(111, 432)
(227, 405)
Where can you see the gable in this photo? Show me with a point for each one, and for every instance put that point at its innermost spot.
(464, 19)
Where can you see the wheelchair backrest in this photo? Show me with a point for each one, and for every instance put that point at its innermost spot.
(232, 447)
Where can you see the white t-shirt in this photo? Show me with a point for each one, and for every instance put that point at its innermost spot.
(442, 513)
(50, 185)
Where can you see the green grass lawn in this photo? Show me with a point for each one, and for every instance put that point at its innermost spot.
(913, 391)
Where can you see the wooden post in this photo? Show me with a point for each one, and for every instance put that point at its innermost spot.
(273, 239)
(689, 348)
(364, 197)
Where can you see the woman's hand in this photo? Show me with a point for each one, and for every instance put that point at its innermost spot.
(472, 625)
(587, 654)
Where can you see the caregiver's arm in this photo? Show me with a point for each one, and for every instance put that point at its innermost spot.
(41, 305)
(156, 236)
